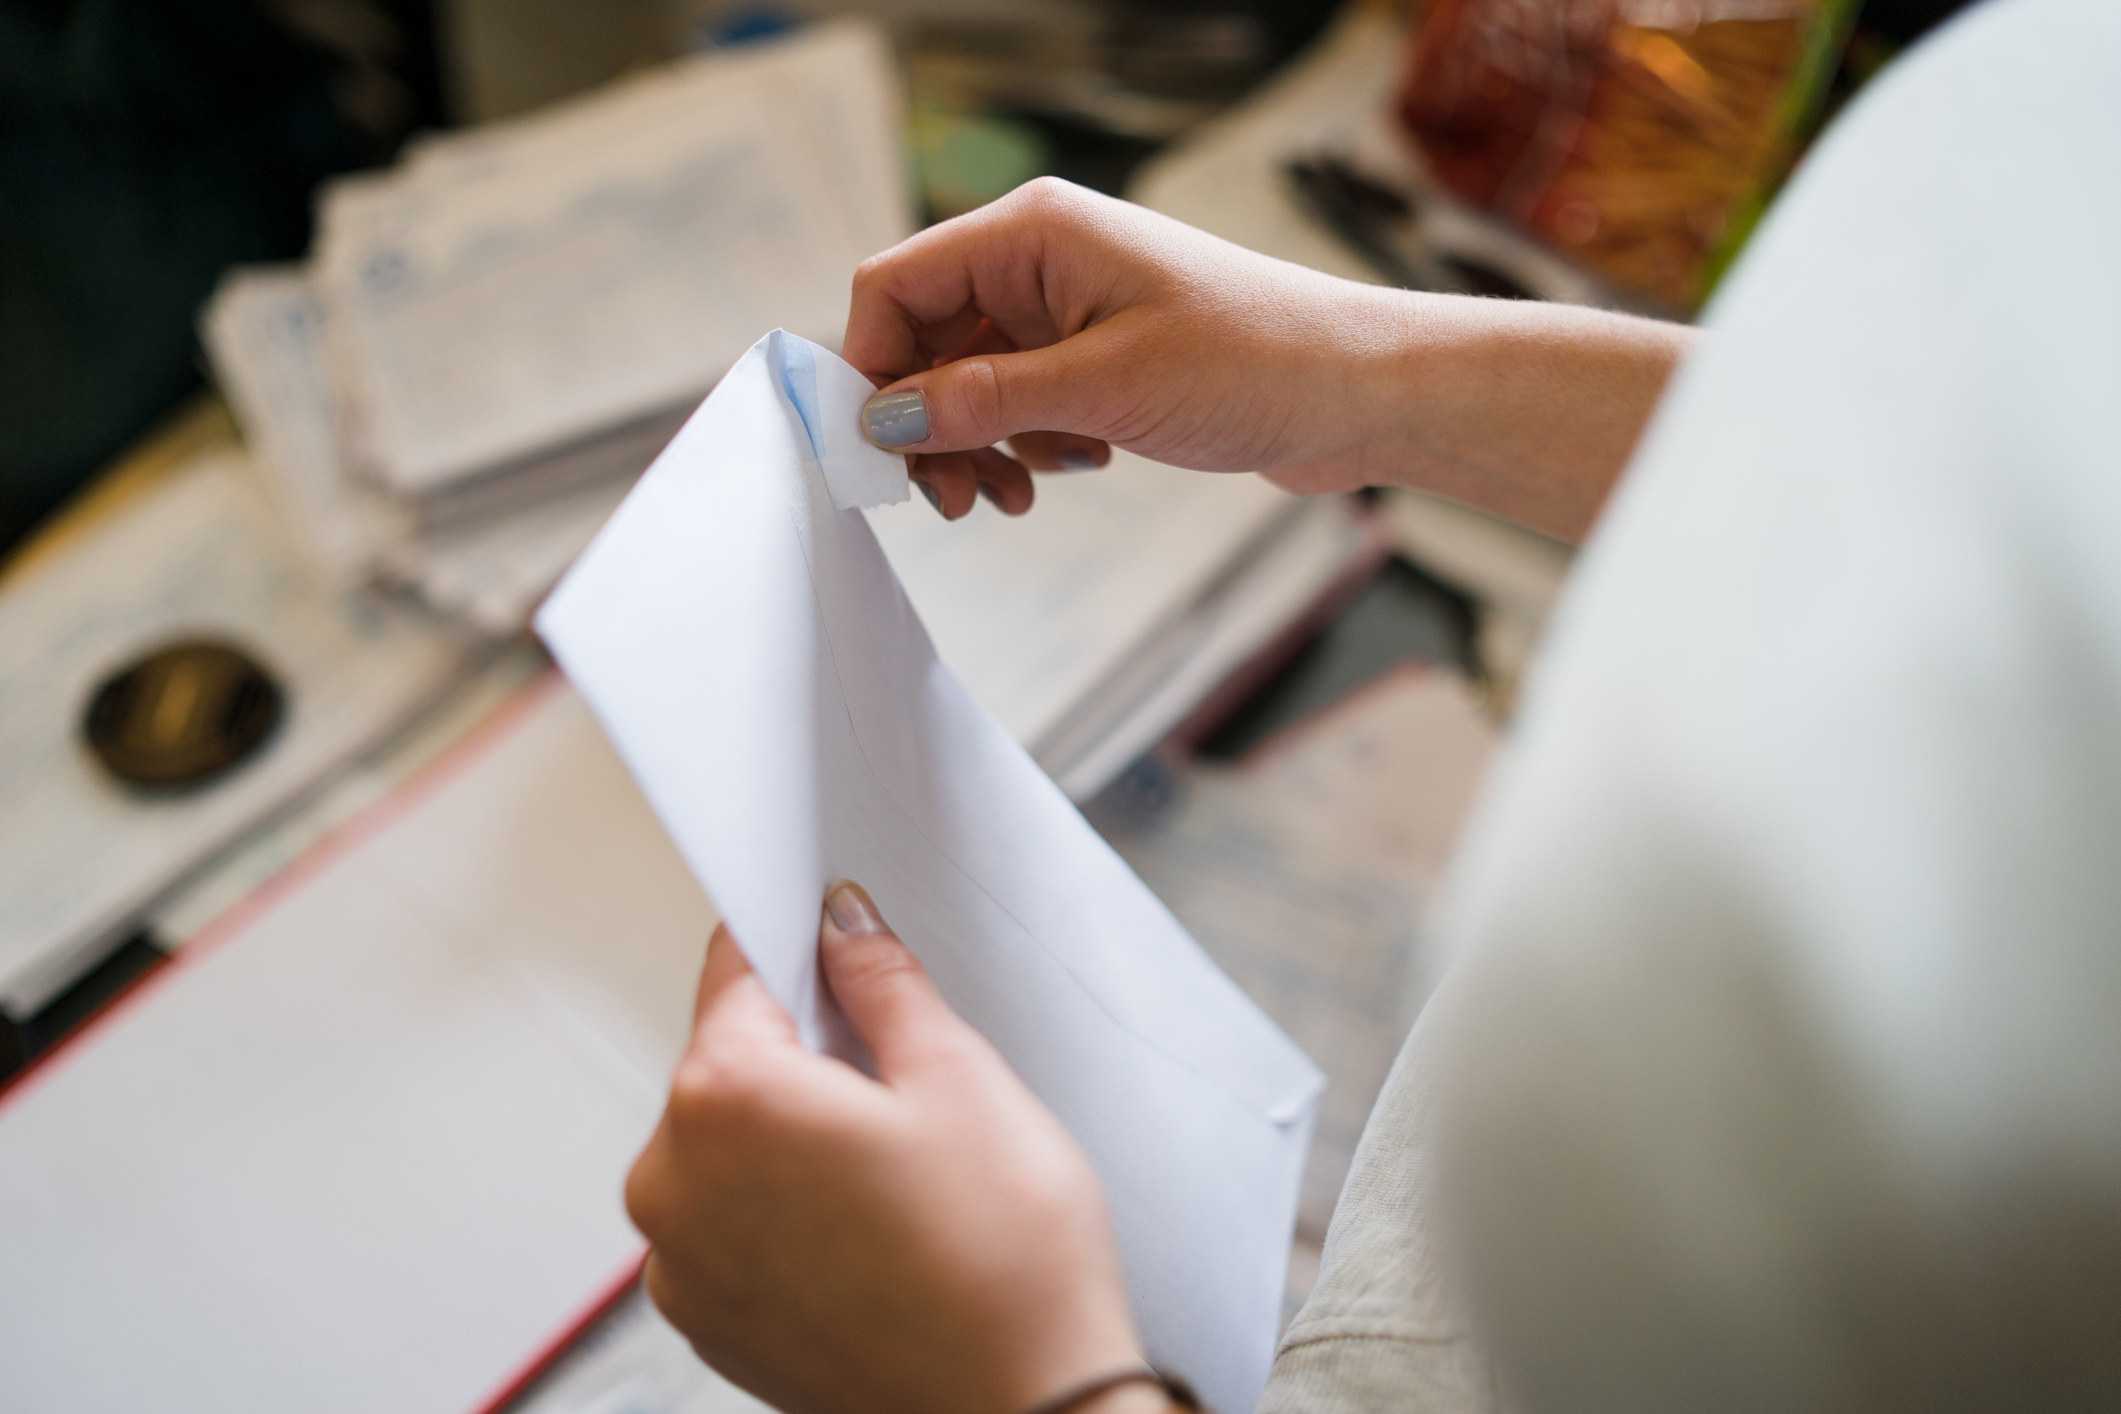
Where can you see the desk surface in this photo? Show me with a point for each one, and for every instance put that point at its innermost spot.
(200, 425)
(1199, 840)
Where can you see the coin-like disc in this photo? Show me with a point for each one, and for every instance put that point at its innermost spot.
(182, 715)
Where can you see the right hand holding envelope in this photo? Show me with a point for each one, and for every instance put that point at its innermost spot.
(1057, 308)
(930, 1239)
(1064, 323)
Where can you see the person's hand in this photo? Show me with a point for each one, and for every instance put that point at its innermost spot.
(931, 1239)
(1064, 322)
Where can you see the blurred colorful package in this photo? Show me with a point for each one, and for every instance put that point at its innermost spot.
(1641, 138)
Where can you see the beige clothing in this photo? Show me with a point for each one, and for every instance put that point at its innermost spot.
(1382, 1328)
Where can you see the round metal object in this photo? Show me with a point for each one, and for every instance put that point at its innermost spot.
(183, 715)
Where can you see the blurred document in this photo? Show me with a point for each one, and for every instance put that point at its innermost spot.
(484, 551)
(1036, 612)
(494, 338)
(552, 277)
(1095, 625)
(739, 633)
(265, 333)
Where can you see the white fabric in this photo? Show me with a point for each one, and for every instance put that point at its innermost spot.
(1788, 1068)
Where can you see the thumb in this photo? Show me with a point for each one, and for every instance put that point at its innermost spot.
(987, 398)
(879, 983)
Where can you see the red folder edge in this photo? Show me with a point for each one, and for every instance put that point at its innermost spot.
(543, 1359)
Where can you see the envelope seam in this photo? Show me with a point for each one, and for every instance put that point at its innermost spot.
(832, 656)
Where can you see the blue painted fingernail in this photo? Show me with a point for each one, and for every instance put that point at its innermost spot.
(1076, 459)
(849, 907)
(992, 496)
(896, 419)
(929, 491)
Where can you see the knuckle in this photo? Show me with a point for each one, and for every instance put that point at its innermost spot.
(881, 962)
(714, 1088)
(1049, 195)
(979, 397)
(951, 1047)
(641, 1195)
(655, 1278)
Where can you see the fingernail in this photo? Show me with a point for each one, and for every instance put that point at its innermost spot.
(851, 911)
(1075, 459)
(990, 495)
(933, 499)
(896, 419)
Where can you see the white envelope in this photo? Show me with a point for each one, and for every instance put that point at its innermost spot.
(741, 637)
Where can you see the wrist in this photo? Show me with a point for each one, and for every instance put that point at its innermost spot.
(1525, 409)
(1129, 1399)
(1440, 388)
(1134, 1388)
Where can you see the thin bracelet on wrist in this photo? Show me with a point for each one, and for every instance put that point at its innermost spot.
(1174, 1389)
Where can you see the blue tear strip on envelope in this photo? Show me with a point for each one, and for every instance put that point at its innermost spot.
(741, 637)
(858, 474)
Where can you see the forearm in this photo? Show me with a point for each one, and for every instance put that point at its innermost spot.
(1526, 410)
(1129, 1399)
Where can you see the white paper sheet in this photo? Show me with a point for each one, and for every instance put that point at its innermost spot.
(748, 649)
(361, 1148)
(633, 1362)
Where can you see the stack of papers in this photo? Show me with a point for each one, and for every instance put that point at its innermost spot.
(492, 339)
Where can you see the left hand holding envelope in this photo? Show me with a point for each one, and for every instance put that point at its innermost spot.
(929, 1239)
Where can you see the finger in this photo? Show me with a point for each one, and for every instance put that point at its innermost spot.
(731, 997)
(978, 401)
(648, 1182)
(928, 293)
(725, 964)
(909, 300)
(985, 339)
(880, 985)
(1059, 451)
(672, 1288)
(1003, 482)
(949, 480)
(935, 342)
(655, 1277)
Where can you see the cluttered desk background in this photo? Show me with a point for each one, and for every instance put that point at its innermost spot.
(428, 387)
